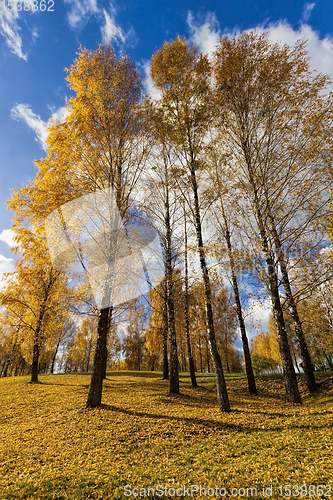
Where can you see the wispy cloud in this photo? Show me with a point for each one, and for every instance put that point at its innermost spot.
(7, 235)
(10, 29)
(23, 112)
(154, 92)
(110, 31)
(80, 11)
(307, 9)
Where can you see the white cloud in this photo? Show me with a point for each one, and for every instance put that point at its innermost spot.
(258, 312)
(23, 112)
(59, 115)
(110, 31)
(154, 92)
(206, 35)
(10, 29)
(320, 50)
(34, 34)
(307, 9)
(7, 235)
(6, 265)
(80, 11)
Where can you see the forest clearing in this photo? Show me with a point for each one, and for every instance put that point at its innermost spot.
(52, 448)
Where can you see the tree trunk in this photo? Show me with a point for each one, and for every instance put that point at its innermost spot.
(96, 383)
(329, 361)
(247, 357)
(174, 369)
(152, 368)
(187, 320)
(200, 355)
(165, 336)
(222, 393)
(37, 334)
(36, 347)
(227, 363)
(307, 363)
(292, 391)
(35, 360)
(5, 368)
(207, 355)
(290, 379)
(54, 357)
(22, 366)
(295, 360)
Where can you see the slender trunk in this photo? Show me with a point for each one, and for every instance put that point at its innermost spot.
(22, 366)
(207, 355)
(247, 357)
(200, 355)
(152, 368)
(292, 391)
(165, 336)
(54, 356)
(96, 383)
(5, 368)
(329, 361)
(221, 387)
(187, 320)
(174, 369)
(227, 363)
(53, 363)
(37, 335)
(307, 363)
(295, 360)
(183, 365)
(37, 342)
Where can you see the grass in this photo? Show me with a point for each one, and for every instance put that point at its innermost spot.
(50, 448)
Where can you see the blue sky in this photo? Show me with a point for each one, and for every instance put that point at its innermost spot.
(35, 47)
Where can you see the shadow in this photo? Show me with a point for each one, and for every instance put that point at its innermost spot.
(79, 386)
(211, 424)
(134, 374)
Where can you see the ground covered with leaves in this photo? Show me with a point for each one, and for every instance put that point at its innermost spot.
(51, 448)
